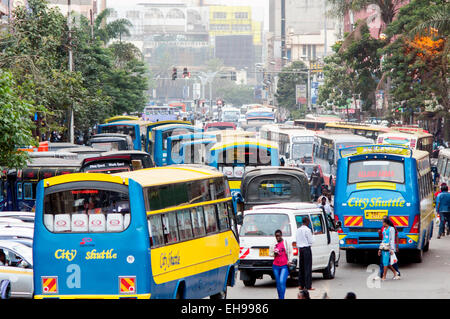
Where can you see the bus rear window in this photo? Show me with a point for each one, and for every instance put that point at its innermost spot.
(376, 170)
(120, 129)
(86, 211)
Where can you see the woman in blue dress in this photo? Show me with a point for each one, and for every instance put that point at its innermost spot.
(387, 247)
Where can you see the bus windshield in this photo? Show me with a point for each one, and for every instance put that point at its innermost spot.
(265, 225)
(300, 150)
(245, 155)
(376, 170)
(70, 210)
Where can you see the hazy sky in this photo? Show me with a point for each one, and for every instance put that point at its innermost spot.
(260, 7)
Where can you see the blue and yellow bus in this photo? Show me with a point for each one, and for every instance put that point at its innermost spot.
(19, 186)
(235, 155)
(166, 232)
(136, 129)
(188, 148)
(119, 118)
(374, 181)
(157, 146)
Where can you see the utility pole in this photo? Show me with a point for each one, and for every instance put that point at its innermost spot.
(283, 32)
(71, 119)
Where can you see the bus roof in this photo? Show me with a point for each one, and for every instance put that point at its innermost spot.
(233, 141)
(407, 135)
(53, 162)
(349, 125)
(342, 138)
(145, 177)
(170, 174)
(171, 125)
(120, 118)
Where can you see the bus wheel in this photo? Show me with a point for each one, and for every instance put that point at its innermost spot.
(330, 271)
(350, 256)
(427, 246)
(250, 282)
(417, 255)
(220, 295)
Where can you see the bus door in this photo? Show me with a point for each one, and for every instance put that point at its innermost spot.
(91, 240)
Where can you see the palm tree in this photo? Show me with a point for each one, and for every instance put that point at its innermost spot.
(112, 30)
(437, 22)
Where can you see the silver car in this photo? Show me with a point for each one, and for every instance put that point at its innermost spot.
(16, 265)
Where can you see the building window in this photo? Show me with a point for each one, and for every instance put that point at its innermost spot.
(219, 15)
(241, 15)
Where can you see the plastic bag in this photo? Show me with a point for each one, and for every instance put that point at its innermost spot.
(394, 259)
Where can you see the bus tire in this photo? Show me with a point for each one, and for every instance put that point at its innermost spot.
(220, 295)
(180, 291)
(427, 246)
(330, 271)
(350, 256)
(249, 282)
(417, 255)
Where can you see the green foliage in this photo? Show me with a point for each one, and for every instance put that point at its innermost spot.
(105, 81)
(15, 123)
(417, 67)
(286, 84)
(236, 94)
(352, 73)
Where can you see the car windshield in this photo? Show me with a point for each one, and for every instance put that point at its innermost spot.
(265, 224)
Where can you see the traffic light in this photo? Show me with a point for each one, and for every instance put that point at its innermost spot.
(174, 74)
(186, 74)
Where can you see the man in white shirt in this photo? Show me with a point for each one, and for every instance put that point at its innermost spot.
(326, 206)
(304, 240)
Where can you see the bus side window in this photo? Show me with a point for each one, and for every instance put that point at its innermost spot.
(184, 224)
(223, 216)
(19, 191)
(198, 221)
(210, 219)
(155, 228)
(170, 228)
(28, 191)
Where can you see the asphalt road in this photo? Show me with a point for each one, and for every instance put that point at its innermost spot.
(427, 280)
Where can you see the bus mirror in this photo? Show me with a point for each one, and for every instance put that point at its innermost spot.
(136, 164)
(338, 224)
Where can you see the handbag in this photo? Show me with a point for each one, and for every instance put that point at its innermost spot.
(385, 246)
(393, 259)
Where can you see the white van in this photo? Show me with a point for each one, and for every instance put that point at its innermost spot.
(257, 235)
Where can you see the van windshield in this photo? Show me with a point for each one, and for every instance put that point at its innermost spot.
(265, 225)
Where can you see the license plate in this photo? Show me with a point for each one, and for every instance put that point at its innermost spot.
(375, 214)
(263, 252)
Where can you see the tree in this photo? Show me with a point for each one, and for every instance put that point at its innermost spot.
(290, 76)
(352, 71)
(112, 30)
(15, 123)
(418, 64)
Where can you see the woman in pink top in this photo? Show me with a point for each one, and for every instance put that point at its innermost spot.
(280, 264)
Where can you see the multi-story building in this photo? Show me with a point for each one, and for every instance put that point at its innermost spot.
(236, 36)
(372, 15)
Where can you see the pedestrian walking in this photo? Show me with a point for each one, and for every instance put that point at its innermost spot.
(304, 240)
(394, 265)
(387, 247)
(280, 263)
(443, 208)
